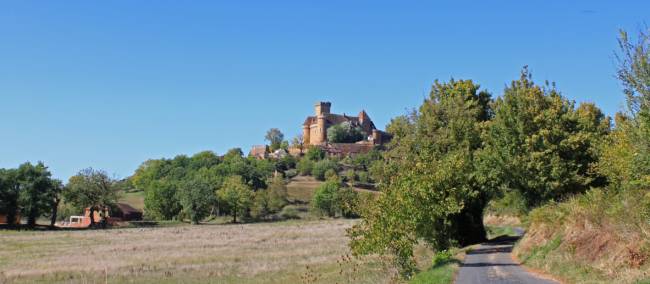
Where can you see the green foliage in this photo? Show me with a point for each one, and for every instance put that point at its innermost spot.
(9, 191)
(270, 200)
(540, 145)
(363, 177)
(30, 190)
(424, 197)
(196, 195)
(285, 163)
(323, 166)
(290, 212)
(305, 166)
(345, 132)
(292, 173)
(164, 180)
(634, 74)
(511, 203)
(315, 153)
(275, 138)
(236, 195)
(91, 188)
(331, 174)
(333, 200)
(350, 175)
(442, 257)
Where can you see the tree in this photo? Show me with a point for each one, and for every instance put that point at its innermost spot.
(331, 199)
(57, 189)
(321, 167)
(93, 189)
(540, 145)
(277, 194)
(9, 190)
(236, 195)
(298, 142)
(196, 197)
(424, 197)
(36, 191)
(275, 138)
(634, 74)
(345, 132)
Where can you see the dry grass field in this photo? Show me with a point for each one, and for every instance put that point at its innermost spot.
(283, 252)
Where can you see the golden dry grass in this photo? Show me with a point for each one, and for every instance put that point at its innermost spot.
(285, 252)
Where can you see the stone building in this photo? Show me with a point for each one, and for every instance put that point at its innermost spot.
(314, 129)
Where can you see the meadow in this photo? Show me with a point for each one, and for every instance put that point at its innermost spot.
(284, 252)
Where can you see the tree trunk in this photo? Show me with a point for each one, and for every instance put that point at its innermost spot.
(92, 216)
(31, 219)
(55, 210)
(234, 217)
(11, 217)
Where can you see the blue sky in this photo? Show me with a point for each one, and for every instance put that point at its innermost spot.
(110, 84)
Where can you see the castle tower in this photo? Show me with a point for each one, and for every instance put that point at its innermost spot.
(305, 134)
(322, 109)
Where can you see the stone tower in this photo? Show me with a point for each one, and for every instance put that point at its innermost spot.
(322, 109)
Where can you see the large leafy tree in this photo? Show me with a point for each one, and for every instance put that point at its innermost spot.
(9, 189)
(540, 145)
(196, 197)
(425, 197)
(93, 189)
(36, 191)
(236, 195)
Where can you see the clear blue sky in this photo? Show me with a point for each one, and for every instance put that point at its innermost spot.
(110, 84)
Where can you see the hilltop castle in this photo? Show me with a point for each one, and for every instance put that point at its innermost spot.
(314, 129)
(314, 134)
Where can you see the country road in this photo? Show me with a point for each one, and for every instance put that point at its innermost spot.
(491, 263)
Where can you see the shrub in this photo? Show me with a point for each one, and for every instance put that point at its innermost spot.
(315, 154)
(332, 200)
(330, 174)
(350, 176)
(363, 177)
(321, 167)
(291, 173)
(289, 212)
(305, 166)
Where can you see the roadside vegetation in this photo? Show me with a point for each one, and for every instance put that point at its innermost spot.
(530, 157)
(604, 234)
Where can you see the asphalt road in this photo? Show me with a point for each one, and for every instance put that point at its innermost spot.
(491, 263)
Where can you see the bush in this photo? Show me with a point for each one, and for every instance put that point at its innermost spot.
(332, 200)
(363, 177)
(291, 173)
(289, 212)
(321, 167)
(330, 174)
(315, 154)
(305, 166)
(350, 176)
